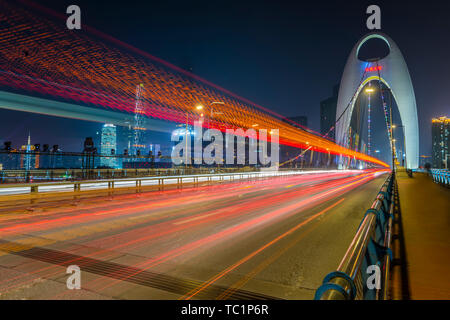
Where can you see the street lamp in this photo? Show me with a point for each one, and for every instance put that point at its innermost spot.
(369, 90)
(404, 138)
(212, 112)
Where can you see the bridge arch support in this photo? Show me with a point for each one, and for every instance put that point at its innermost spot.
(394, 75)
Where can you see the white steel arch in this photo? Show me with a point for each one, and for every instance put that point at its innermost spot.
(395, 75)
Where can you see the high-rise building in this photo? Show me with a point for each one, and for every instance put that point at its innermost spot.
(440, 132)
(108, 146)
(139, 123)
(328, 114)
(29, 160)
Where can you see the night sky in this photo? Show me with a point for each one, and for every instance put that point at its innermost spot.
(285, 56)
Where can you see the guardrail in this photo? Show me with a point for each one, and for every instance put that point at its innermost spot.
(369, 251)
(60, 175)
(70, 175)
(160, 182)
(441, 176)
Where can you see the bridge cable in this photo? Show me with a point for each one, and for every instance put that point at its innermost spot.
(337, 120)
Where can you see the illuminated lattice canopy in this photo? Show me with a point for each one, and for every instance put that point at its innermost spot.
(41, 57)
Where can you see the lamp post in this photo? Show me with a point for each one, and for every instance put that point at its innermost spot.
(369, 91)
(185, 140)
(404, 139)
(212, 112)
(392, 139)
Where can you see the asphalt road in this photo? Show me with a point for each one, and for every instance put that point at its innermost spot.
(262, 239)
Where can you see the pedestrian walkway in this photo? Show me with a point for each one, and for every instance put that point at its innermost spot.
(425, 224)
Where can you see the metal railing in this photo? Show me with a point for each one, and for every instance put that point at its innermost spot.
(59, 175)
(441, 176)
(370, 248)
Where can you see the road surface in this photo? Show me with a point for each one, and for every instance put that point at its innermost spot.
(273, 238)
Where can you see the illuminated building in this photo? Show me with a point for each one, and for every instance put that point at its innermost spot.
(108, 146)
(440, 129)
(29, 160)
(139, 129)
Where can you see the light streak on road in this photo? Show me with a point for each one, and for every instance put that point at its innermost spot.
(241, 227)
(164, 227)
(237, 264)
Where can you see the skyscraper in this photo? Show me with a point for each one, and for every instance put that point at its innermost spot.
(328, 113)
(139, 122)
(108, 146)
(440, 135)
(28, 161)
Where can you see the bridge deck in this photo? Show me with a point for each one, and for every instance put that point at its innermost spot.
(425, 212)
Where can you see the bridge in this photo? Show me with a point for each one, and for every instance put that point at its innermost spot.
(201, 230)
